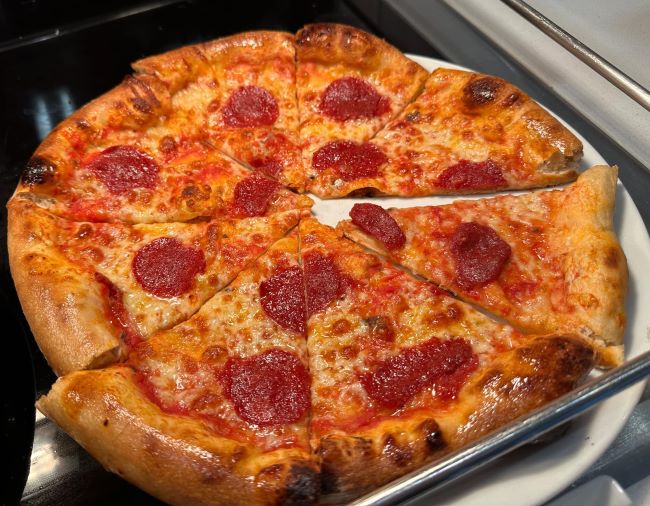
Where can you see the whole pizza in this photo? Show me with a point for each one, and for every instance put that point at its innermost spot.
(216, 344)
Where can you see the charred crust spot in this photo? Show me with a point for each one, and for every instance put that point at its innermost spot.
(301, 486)
(38, 171)
(432, 435)
(511, 99)
(141, 105)
(398, 455)
(316, 34)
(105, 422)
(611, 258)
(167, 144)
(328, 479)
(481, 91)
(82, 124)
(144, 99)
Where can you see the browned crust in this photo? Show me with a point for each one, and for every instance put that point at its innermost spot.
(330, 43)
(135, 104)
(179, 66)
(175, 458)
(353, 464)
(64, 305)
(514, 384)
(587, 215)
(556, 149)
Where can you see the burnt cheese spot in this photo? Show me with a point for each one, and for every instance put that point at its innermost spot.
(481, 91)
(38, 171)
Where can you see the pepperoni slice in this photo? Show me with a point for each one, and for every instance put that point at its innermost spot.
(467, 175)
(166, 267)
(323, 282)
(123, 168)
(253, 195)
(353, 98)
(479, 253)
(250, 106)
(283, 299)
(269, 166)
(376, 221)
(398, 379)
(268, 389)
(349, 159)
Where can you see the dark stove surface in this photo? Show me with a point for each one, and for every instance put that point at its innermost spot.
(55, 56)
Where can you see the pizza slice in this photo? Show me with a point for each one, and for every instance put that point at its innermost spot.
(92, 290)
(546, 261)
(403, 373)
(465, 133)
(349, 85)
(212, 411)
(239, 94)
(126, 183)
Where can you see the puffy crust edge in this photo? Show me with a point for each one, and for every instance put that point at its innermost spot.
(514, 384)
(64, 305)
(330, 42)
(133, 104)
(177, 66)
(176, 459)
(593, 247)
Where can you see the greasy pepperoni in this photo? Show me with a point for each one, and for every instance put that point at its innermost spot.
(269, 166)
(323, 282)
(283, 299)
(117, 313)
(253, 195)
(353, 98)
(467, 175)
(349, 159)
(479, 253)
(166, 267)
(250, 106)
(374, 220)
(123, 168)
(396, 380)
(267, 389)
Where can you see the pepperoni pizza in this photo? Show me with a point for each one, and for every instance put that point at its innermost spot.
(546, 261)
(217, 345)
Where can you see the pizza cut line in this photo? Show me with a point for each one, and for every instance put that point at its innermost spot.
(216, 344)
